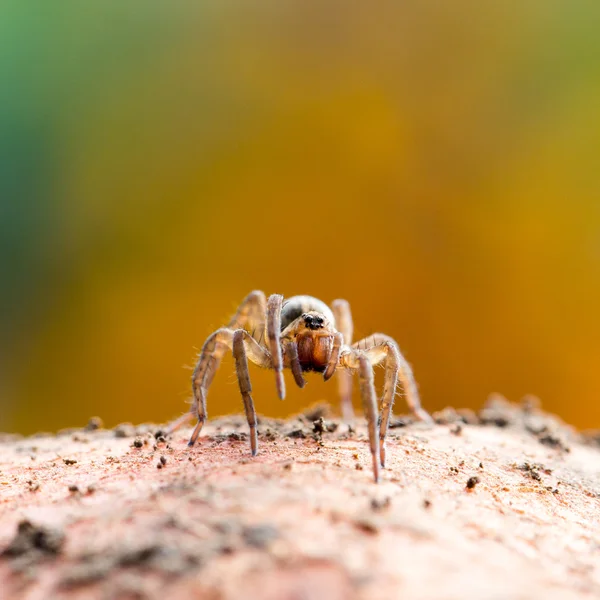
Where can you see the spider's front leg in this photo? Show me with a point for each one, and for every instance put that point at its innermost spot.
(381, 348)
(212, 352)
(241, 367)
(273, 336)
(250, 315)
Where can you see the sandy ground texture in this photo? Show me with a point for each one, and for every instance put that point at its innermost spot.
(501, 504)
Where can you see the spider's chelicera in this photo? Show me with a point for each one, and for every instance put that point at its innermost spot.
(304, 334)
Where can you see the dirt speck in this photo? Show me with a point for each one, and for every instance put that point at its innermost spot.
(260, 536)
(124, 430)
(532, 470)
(457, 429)
(34, 539)
(472, 482)
(94, 424)
(380, 504)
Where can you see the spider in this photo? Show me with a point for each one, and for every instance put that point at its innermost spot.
(303, 334)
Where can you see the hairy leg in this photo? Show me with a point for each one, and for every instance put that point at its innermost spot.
(251, 315)
(382, 348)
(273, 339)
(344, 324)
(358, 361)
(212, 352)
(241, 367)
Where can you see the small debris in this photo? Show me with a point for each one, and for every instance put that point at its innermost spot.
(137, 443)
(497, 411)
(69, 461)
(318, 411)
(319, 426)
(554, 441)
(400, 422)
(532, 470)
(35, 539)
(259, 536)
(163, 460)
(124, 430)
(380, 504)
(93, 424)
(367, 525)
(73, 488)
(446, 416)
(426, 503)
(297, 433)
(457, 429)
(472, 482)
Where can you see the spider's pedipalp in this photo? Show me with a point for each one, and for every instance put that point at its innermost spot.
(338, 340)
(291, 350)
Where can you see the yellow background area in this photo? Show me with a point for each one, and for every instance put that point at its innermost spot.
(435, 163)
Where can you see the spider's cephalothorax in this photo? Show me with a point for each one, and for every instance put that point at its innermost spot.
(308, 323)
(304, 334)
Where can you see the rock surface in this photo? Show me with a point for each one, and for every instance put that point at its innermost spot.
(501, 504)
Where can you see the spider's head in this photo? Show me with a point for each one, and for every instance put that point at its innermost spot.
(314, 320)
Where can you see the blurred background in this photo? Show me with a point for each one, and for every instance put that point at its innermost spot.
(435, 163)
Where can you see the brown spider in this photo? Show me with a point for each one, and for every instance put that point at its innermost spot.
(304, 334)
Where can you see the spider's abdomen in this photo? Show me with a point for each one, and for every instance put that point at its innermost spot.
(314, 351)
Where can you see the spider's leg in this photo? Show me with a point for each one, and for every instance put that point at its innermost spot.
(210, 358)
(212, 352)
(250, 314)
(382, 348)
(241, 367)
(343, 323)
(273, 336)
(244, 347)
(182, 420)
(353, 359)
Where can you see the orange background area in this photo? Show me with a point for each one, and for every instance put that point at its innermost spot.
(436, 164)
